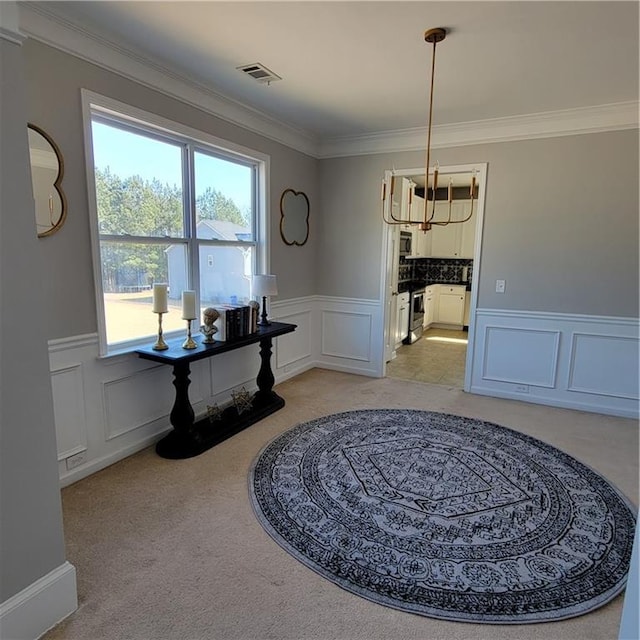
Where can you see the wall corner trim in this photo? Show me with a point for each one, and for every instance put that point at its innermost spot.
(9, 21)
(40, 606)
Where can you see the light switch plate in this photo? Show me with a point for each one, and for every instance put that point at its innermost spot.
(500, 286)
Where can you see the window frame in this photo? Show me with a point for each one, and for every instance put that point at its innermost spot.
(138, 120)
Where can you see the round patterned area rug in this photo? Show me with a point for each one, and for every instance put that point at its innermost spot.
(445, 516)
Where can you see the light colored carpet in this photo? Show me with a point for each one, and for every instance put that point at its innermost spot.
(171, 549)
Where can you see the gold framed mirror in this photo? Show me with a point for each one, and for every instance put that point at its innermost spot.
(47, 169)
(294, 217)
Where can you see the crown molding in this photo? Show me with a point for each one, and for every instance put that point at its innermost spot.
(9, 23)
(597, 119)
(39, 23)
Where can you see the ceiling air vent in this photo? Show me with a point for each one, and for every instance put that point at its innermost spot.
(259, 72)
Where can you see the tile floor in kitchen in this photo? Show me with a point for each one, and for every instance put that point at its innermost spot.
(438, 357)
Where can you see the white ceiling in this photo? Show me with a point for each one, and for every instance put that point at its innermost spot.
(357, 68)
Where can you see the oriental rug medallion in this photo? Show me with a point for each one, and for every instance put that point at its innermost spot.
(445, 516)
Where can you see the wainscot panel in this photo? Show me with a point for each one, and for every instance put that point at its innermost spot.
(616, 373)
(351, 335)
(589, 363)
(527, 356)
(137, 399)
(295, 350)
(70, 418)
(109, 408)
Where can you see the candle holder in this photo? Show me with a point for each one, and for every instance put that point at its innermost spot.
(263, 286)
(189, 343)
(160, 344)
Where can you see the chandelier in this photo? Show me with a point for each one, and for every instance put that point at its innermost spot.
(432, 36)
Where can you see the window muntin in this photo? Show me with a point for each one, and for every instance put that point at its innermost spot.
(169, 208)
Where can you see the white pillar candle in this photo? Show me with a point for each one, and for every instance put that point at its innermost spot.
(189, 305)
(160, 298)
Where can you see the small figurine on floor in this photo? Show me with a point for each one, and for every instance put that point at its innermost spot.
(208, 329)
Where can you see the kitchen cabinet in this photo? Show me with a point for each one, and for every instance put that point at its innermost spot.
(451, 304)
(467, 308)
(430, 303)
(453, 240)
(401, 199)
(421, 247)
(411, 207)
(468, 236)
(444, 241)
(402, 318)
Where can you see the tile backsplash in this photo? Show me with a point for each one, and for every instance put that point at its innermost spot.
(442, 269)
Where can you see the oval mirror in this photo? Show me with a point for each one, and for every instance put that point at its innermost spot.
(294, 217)
(47, 169)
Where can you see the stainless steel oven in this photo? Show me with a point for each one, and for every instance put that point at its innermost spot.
(416, 315)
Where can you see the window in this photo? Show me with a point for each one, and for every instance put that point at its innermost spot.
(168, 204)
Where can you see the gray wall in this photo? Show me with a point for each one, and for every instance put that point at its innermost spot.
(54, 80)
(560, 225)
(31, 523)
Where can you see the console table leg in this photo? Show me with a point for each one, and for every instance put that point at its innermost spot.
(182, 441)
(189, 437)
(182, 415)
(265, 379)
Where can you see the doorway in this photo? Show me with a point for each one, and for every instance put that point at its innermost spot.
(438, 357)
(448, 258)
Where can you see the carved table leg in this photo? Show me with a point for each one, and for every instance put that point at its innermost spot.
(182, 415)
(183, 441)
(265, 379)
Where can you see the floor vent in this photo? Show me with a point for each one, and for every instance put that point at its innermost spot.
(259, 72)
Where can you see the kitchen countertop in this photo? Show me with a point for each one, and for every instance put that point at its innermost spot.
(414, 285)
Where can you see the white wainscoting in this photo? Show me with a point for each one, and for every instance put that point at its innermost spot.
(580, 362)
(350, 335)
(108, 408)
(296, 353)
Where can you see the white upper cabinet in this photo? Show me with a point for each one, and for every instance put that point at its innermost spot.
(401, 198)
(421, 246)
(417, 207)
(453, 240)
(422, 243)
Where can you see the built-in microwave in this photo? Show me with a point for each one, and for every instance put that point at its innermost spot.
(405, 243)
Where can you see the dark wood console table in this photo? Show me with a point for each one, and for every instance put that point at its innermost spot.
(190, 437)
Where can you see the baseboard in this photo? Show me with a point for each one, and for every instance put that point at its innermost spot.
(97, 464)
(605, 409)
(40, 606)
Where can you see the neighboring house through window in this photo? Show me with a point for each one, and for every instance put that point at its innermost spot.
(168, 204)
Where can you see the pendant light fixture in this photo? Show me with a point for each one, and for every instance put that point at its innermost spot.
(431, 36)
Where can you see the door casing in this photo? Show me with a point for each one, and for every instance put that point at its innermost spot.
(388, 280)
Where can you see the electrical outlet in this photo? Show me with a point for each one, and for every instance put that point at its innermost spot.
(522, 388)
(76, 460)
(500, 286)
